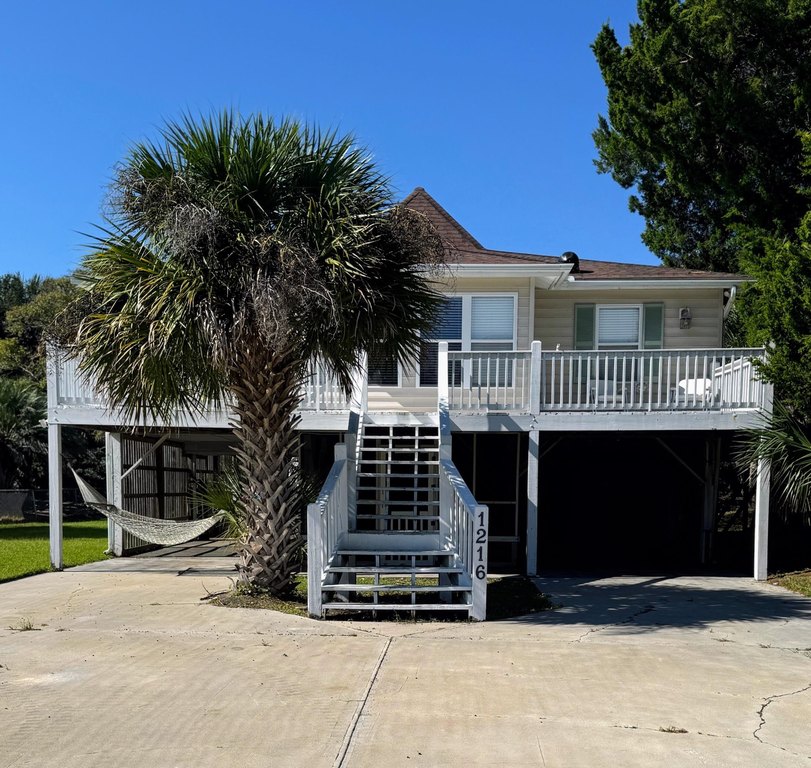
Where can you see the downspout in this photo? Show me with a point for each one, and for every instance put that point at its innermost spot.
(733, 291)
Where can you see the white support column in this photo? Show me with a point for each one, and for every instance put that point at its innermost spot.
(533, 467)
(762, 520)
(762, 498)
(314, 565)
(55, 495)
(115, 534)
(536, 371)
(533, 459)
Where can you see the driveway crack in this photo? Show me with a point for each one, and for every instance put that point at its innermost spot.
(627, 620)
(762, 713)
(343, 752)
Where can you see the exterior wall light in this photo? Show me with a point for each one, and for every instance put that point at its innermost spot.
(685, 318)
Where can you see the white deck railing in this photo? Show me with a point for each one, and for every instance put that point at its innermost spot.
(327, 522)
(68, 387)
(322, 392)
(464, 525)
(652, 380)
(635, 380)
(481, 381)
(532, 382)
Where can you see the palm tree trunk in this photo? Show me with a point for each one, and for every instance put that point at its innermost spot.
(267, 393)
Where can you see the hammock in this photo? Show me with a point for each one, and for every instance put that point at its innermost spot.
(153, 530)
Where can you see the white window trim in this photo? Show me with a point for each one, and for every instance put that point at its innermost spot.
(467, 323)
(609, 347)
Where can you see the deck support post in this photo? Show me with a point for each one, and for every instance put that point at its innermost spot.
(762, 520)
(533, 469)
(712, 456)
(115, 534)
(533, 458)
(55, 533)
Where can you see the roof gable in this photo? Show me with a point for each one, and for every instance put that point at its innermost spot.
(449, 229)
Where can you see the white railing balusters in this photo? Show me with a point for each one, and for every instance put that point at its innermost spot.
(651, 380)
(464, 524)
(327, 521)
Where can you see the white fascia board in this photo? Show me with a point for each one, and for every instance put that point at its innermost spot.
(682, 283)
(546, 275)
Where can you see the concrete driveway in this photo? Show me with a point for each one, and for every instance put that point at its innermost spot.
(127, 667)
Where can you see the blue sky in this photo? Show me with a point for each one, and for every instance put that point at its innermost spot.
(489, 106)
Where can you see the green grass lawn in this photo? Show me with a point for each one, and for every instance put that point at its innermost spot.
(799, 581)
(507, 597)
(24, 546)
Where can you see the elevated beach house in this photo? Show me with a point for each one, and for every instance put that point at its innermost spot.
(565, 414)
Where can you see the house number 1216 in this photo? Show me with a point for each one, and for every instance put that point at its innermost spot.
(481, 539)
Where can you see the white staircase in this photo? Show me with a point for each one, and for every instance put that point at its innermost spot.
(397, 478)
(395, 528)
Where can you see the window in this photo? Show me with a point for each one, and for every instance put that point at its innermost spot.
(448, 328)
(383, 371)
(474, 322)
(618, 326)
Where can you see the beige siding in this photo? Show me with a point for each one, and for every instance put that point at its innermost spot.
(554, 314)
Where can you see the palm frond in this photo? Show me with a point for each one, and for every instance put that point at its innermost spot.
(785, 443)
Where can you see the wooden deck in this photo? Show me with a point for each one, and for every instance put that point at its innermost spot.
(497, 391)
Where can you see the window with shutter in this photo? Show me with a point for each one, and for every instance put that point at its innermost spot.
(473, 322)
(618, 327)
(448, 328)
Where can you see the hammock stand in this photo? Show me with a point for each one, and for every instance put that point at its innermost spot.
(155, 531)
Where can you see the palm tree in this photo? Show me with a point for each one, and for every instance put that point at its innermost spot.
(785, 442)
(22, 436)
(236, 252)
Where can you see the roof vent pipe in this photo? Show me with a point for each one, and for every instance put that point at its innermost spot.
(570, 257)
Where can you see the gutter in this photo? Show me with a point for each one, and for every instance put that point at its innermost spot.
(617, 285)
(546, 275)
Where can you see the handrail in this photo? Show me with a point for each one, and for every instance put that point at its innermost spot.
(652, 380)
(327, 522)
(358, 405)
(67, 387)
(464, 525)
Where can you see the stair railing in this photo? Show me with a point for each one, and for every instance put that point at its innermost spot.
(463, 523)
(327, 522)
(358, 406)
(465, 526)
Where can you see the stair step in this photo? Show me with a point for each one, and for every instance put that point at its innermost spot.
(397, 502)
(392, 588)
(404, 449)
(422, 462)
(395, 607)
(394, 570)
(411, 475)
(398, 552)
(397, 489)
